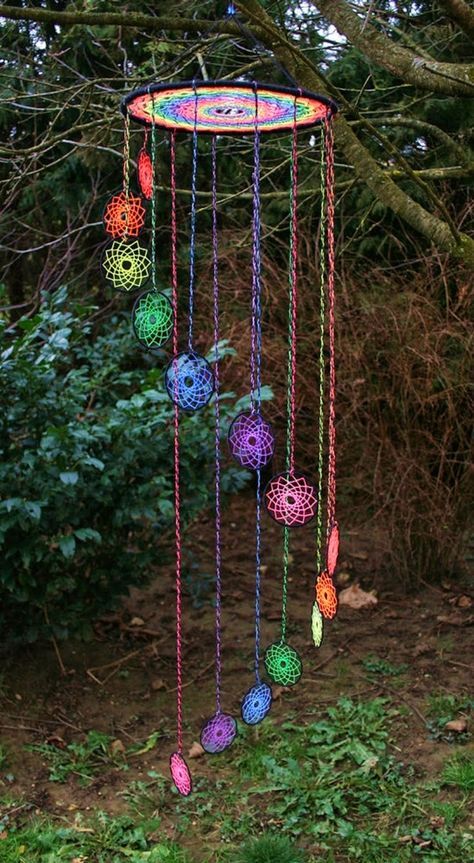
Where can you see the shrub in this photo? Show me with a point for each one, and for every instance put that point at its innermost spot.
(86, 479)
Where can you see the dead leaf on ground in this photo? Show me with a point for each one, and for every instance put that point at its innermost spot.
(457, 725)
(196, 750)
(157, 684)
(464, 601)
(343, 577)
(277, 691)
(423, 647)
(455, 619)
(117, 747)
(355, 597)
(137, 621)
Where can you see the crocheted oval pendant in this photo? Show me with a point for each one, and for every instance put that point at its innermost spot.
(189, 381)
(218, 733)
(316, 625)
(180, 774)
(145, 174)
(152, 319)
(283, 665)
(333, 549)
(326, 596)
(256, 703)
(251, 440)
(291, 499)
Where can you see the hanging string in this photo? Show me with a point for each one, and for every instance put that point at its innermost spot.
(153, 200)
(322, 322)
(215, 283)
(291, 368)
(255, 366)
(177, 500)
(192, 250)
(126, 156)
(331, 495)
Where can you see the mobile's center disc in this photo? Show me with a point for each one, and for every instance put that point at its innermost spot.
(226, 107)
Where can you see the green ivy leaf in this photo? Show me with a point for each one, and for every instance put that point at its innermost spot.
(67, 544)
(69, 477)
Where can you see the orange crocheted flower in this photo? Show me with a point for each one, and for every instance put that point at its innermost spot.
(124, 216)
(326, 595)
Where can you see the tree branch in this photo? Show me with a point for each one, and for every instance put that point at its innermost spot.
(425, 128)
(452, 79)
(380, 184)
(461, 13)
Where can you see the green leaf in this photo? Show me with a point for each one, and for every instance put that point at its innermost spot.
(67, 544)
(88, 533)
(69, 477)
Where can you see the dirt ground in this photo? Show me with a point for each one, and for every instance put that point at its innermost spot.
(123, 682)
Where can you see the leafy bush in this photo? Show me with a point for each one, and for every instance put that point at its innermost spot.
(86, 479)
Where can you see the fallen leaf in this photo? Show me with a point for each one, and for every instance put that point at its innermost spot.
(277, 691)
(196, 750)
(455, 619)
(137, 621)
(423, 647)
(157, 684)
(355, 597)
(359, 555)
(457, 725)
(117, 747)
(4, 834)
(464, 601)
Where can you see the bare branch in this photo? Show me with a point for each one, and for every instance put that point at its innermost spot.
(461, 13)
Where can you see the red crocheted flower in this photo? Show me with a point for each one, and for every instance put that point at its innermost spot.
(326, 595)
(145, 174)
(124, 216)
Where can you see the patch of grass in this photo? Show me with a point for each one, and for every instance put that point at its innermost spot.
(459, 771)
(83, 760)
(269, 849)
(374, 665)
(100, 840)
(442, 708)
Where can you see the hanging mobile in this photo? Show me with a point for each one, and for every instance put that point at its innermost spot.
(189, 379)
(125, 262)
(152, 313)
(219, 731)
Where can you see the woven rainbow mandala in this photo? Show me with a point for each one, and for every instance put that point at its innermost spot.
(152, 319)
(218, 733)
(126, 265)
(225, 108)
(291, 499)
(283, 664)
(251, 440)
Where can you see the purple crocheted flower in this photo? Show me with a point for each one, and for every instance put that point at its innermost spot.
(218, 733)
(251, 440)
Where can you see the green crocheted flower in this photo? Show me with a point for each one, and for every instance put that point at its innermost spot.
(283, 664)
